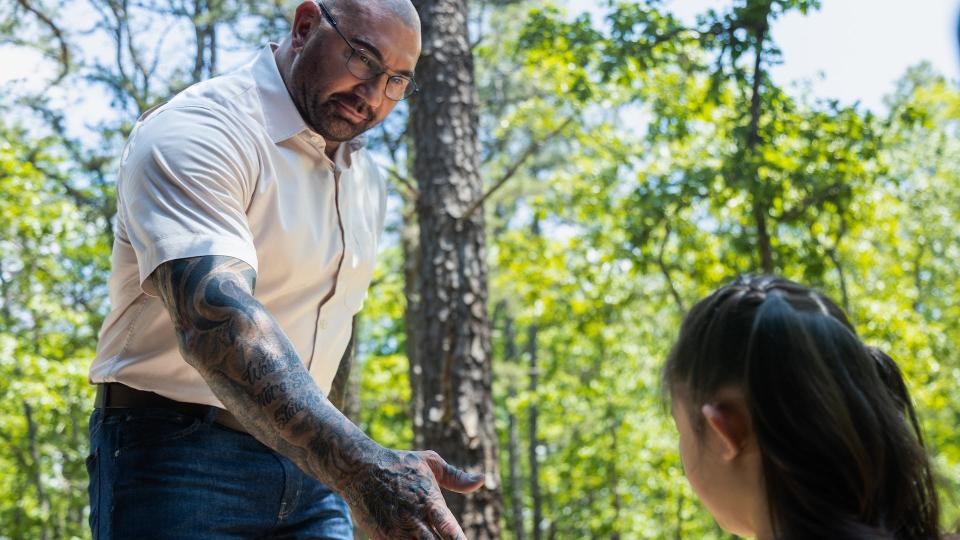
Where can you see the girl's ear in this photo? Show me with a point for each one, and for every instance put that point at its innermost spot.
(730, 422)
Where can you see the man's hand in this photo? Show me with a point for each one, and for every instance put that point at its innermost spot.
(398, 496)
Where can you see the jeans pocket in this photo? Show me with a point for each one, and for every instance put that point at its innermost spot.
(149, 428)
(93, 491)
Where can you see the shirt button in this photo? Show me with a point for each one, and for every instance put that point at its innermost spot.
(323, 324)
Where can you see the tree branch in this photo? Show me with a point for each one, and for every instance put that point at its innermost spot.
(666, 271)
(529, 152)
(57, 33)
(13, 445)
(393, 146)
(412, 190)
(481, 13)
(815, 198)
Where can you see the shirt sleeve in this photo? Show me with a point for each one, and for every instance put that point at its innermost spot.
(186, 178)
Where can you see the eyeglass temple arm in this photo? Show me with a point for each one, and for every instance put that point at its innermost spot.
(326, 12)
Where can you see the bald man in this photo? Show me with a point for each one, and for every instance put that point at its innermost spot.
(249, 216)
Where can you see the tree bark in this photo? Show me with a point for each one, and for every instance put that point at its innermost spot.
(454, 333)
(410, 242)
(679, 535)
(761, 206)
(665, 270)
(42, 500)
(351, 390)
(534, 441)
(339, 389)
(613, 474)
(513, 437)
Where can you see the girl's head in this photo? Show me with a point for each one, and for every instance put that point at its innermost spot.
(790, 427)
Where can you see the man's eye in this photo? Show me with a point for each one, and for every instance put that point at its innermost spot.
(365, 59)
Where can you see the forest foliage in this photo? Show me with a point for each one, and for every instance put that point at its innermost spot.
(636, 163)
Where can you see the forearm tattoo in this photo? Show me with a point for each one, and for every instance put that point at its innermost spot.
(242, 353)
(252, 367)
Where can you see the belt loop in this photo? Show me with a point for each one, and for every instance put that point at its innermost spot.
(211, 415)
(100, 400)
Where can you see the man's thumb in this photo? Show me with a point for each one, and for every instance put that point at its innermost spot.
(450, 477)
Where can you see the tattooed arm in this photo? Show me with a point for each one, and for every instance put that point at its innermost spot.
(252, 367)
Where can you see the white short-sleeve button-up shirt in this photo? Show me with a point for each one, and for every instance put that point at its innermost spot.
(228, 167)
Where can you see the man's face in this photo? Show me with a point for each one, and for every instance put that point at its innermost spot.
(332, 101)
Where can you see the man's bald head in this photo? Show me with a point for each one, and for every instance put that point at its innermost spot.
(402, 9)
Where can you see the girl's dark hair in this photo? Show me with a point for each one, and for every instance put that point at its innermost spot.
(842, 452)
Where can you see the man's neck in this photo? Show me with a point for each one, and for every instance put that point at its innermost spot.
(331, 148)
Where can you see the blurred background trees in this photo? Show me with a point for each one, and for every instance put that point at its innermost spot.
(615, 165)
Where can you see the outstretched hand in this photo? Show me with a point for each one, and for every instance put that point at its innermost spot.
(398, 496)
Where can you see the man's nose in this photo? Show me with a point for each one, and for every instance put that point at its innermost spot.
(371, 90)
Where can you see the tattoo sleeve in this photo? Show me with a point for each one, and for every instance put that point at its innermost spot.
(251, 366)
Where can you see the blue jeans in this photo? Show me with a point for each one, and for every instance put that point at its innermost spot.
(155, 473)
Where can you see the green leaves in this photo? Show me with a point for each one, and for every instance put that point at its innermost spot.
(52, 269)
(699, 168)
(639, 157)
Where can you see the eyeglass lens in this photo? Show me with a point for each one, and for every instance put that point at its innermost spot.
(364, 67)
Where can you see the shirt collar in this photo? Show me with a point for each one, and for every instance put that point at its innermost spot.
(280, 115)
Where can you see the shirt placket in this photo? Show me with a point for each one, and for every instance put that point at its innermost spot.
(322, 323)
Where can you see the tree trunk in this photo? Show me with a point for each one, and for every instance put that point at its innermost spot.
(513, 437)
(42, 501)
(761, 204)
(613, 474)
(201, 42)
(534, 442)
(339, 389)
(679, 535)
(454, 333)
(409, 239)
(351, 391)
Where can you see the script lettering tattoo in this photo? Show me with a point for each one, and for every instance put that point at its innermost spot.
(284, 415)
(256, 372)
(251, 366)
(270, 393)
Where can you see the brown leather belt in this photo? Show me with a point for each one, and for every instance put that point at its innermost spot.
(121, 396)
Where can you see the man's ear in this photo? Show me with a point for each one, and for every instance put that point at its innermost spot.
(305, 21)
(730, 422)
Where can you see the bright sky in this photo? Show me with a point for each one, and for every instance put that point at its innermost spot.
(848, 50)
(853, 50)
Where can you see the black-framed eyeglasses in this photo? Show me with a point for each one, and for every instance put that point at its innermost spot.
(365, 67)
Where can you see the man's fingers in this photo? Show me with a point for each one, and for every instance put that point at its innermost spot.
(444, 523)
(424, 532)
(450, 477)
